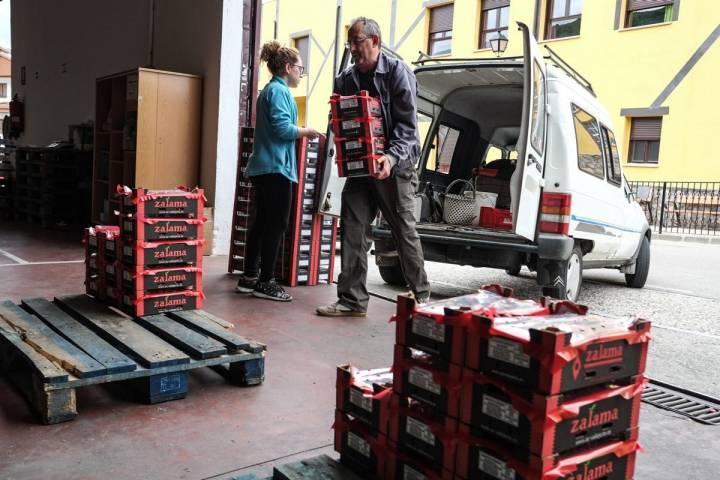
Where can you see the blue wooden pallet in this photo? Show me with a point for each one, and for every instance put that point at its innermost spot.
(49, 349)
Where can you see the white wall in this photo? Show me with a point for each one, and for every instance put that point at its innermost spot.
(95, 38)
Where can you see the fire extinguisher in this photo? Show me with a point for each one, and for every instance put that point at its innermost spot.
(17, 117)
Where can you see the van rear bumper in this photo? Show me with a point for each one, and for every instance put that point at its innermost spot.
(549, 246)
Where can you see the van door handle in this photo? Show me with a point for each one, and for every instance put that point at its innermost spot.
(532, 160)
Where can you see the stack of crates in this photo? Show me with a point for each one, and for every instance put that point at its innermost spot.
(244, 211)
(490, 387)
(152, 262)
(359, 134)
(6, 182)
(307, 251)
(101, 247)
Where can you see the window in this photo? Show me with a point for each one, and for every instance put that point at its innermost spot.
(563, 18)
(3, 90)
(648, 12)
(440, 39)
(537, 136)
(589, 145)
(302, 44)
(493, 21)
(612, 157)
(645, 140)
(444, 148)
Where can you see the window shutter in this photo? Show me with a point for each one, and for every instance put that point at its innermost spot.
(441, 18)
(646, 128)
(490, 4)
(302, 44)
(640, 4)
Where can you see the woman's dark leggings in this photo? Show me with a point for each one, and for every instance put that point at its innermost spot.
(273, 194)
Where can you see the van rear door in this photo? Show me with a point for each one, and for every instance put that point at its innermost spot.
(527, 181)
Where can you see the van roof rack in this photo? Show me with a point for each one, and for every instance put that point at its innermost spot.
(423, 58)
(574, 74)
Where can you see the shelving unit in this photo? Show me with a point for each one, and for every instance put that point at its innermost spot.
(147, 134)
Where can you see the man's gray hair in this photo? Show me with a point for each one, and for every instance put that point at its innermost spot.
(370, 27)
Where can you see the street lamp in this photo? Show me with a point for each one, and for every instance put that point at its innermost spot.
(498, 44)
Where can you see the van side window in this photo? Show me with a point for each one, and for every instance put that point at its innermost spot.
(613, 159)
(442, 154)
(589, 145)
(537, 137)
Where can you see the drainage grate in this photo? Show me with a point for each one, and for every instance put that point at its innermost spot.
(699, 407)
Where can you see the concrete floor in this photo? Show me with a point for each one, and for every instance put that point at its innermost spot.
(220, 431)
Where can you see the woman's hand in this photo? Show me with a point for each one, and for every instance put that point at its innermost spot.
(310, 133)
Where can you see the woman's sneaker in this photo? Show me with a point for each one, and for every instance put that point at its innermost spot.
(246, 284)
(272, 291)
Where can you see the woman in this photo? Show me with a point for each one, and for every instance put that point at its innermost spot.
(272, 170)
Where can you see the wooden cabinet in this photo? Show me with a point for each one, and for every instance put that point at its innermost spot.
(147, 134)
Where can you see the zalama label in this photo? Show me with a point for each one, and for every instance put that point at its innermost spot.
(593, 473)
(594, 419)
(168, 302)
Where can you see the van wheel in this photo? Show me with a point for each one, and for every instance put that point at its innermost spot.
(573, 279)
(392, 275)
(642, 266)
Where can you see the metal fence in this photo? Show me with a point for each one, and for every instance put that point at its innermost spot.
(680, 207)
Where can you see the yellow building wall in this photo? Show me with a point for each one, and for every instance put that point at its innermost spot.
(628, 68)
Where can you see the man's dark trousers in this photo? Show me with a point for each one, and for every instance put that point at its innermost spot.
(361, 199)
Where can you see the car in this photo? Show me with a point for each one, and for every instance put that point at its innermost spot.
(527, 144)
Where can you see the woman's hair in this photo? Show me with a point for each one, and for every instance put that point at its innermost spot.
(276, 56)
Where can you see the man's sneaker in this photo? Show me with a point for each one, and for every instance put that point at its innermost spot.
(422, 299)
(337, 309)
(246, 284)
(271, 291)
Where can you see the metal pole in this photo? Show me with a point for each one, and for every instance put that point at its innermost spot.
(338, 35)
(662, 208)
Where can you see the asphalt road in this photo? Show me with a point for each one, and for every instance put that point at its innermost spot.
(681, 298)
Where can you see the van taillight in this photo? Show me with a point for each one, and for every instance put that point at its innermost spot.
(555, 213)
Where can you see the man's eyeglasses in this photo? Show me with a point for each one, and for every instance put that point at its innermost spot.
(300, 68)
(357, 41)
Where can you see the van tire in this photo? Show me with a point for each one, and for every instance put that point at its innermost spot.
(573, 278)
(392, 275)
(642, 266)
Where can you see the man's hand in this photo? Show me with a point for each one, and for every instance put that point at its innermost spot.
(383, 168)
(310, 133)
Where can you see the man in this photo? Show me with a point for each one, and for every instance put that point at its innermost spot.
(392, 190)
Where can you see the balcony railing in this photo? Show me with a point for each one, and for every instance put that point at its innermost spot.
(680, 207)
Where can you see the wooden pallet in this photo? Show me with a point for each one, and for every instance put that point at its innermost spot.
(321, 467)
(48, 349)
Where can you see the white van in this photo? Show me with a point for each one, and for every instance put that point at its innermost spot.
(530, 132)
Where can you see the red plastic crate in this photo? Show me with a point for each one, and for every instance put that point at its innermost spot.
(485, 458)
(163, 254)
(350, 148)
(357, 167)
(365, 394)
(440, 327)
(546, 425)
(353, 106)
(152, 304)
(160, 230)
(427, 379)
(358, 127)
(177, 203)
(158, 280)
(361, 448)
(420, 432)
(498, 218)
(559, 353)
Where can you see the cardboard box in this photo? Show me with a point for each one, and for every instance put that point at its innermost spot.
(559, 353)
(143, 203)
(163, 254)
(488, 459)
(142, 305)
(161, 229)
(159, 280)
(361, 448)
(353, 106)
(545, 425)
(365, 395)
(358, 127)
